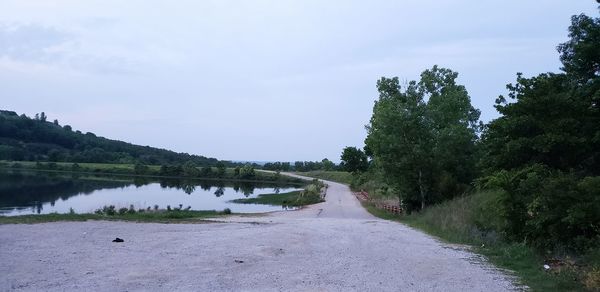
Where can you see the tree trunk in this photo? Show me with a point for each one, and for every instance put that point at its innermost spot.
(422, 189)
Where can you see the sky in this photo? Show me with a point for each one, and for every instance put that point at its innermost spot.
(259, 80)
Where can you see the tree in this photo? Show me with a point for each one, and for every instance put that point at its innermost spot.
(423, 137)
(140, 168)
(206, 171)
(354, 160)
(33, 140)
(190, 169)
(552, 119)
(327, 164)
(580, 55)
(299, 166)
(221, 169)
(247, 172)
(544, 149)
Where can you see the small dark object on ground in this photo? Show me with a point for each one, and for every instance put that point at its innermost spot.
(239, 261)
(118, 240)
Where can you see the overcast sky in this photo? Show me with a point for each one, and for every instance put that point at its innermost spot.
(259, 80)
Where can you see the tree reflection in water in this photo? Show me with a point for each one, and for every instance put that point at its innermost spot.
(22, 190)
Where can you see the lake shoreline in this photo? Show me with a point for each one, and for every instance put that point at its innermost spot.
(33, 192)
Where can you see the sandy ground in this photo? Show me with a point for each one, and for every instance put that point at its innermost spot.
(332, 246)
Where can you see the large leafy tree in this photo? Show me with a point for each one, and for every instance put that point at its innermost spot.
(424, 136)
(553, 119)
(354, 160)
(544, 150)
(580, 55)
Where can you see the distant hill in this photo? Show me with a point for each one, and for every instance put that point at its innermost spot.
(35, 139)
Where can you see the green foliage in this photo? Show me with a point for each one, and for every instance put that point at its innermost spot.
(551, 121)
(544, 151)
(291, 199)
(278, 166)
(423, 137)
(141, 169)
(327, 165)
(23, 138)
(541, 158)
(580, 55)
(549, 208)
(247, 172)
(152, 170)
(221, 169)
(109, 213)
(310, 195)
(122, 211)
(189, 169)
(354, 160)
(314, 188)
(301, 166)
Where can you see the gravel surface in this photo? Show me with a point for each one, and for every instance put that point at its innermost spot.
(332, 246)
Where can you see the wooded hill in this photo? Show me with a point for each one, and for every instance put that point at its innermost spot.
(36, 139)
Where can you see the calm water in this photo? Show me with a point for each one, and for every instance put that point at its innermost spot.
(42, 193)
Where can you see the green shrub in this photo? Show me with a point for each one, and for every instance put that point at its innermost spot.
(110, 210)
(549, 208)
(123, 211)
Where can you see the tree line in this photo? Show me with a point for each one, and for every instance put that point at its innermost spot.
(36, 139)
(425, 142)
(301, 166)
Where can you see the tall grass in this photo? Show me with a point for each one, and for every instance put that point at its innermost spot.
(310, 195)
(474, 220)
(470, 219)
(110, 213)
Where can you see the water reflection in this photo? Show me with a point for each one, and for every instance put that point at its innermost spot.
(220, 191)
(26, 192)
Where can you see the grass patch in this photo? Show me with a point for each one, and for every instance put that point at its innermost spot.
(472, 220)
(291, 199)
(336, 176)
(160, 216)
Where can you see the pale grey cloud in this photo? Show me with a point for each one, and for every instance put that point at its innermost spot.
(35, 44)
(261, 80)
(30, 42)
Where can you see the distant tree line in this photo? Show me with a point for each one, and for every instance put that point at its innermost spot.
(36, 139)
(188, 170)
(301, 166)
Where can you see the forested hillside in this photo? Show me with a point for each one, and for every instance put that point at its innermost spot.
(36, 139)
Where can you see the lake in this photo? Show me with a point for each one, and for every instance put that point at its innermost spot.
(31, 192)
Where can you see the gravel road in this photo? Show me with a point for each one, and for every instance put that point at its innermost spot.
(332, 246)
